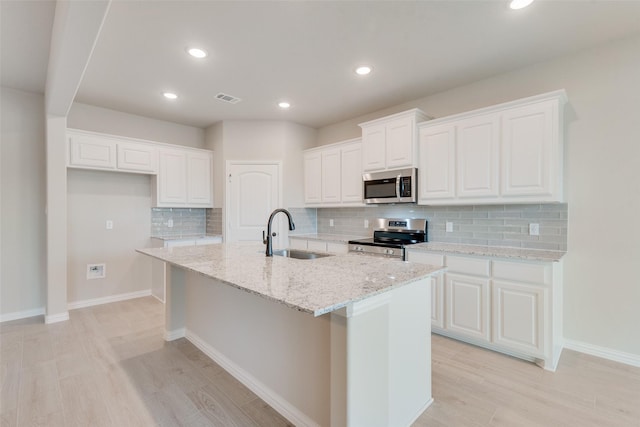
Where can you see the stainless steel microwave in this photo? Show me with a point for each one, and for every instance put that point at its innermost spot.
(394, 186)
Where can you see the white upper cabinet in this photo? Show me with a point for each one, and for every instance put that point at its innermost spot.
(391, 142)
(313, 177)
(200, 178)
(436, 177)
(331, 182)
(508, 153)
(333, 174)
(137, 157)
(184, 178)
(477, 156)
(531, 153)
(91, 151)
(351, 176)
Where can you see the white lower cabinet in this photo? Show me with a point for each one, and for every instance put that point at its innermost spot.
(506, 305)
(518, 316)
(315, 245)
(467, 300)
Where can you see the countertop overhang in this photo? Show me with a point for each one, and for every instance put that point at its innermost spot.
(317, 286)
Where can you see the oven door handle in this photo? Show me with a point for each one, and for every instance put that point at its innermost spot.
(398, 181)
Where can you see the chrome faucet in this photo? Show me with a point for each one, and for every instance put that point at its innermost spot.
(268, 240)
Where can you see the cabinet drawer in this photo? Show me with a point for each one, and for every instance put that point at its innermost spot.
(317, 246)
(522, 272)
(472, 266)
(425, 258)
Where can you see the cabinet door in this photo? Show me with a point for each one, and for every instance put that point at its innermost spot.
(351, 166)
(373, 147)
(528, 147)
(199, 179)
(437, 301)
(437, 162)
(400, 140)
(135, 157)
(331, 168)
(468, 306)
(478, 149)
(92, 152)
(172, 178)
(518, 317)
(313, 177)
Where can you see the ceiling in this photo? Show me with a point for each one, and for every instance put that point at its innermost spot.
(302, 51)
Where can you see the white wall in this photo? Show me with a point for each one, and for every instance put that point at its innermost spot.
(602, 289)
(89, 117)
(22, 199)
(261, 140)
(93, 197)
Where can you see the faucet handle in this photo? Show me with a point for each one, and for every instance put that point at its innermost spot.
(264, 239)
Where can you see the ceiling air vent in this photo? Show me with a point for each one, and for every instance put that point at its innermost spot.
(228, 98)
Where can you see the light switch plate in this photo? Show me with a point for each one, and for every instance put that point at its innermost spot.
(109, 225)
(449, 227)
(330, 223)
(366, 223)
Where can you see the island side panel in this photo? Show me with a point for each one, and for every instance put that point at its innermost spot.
(281, 354)
(174, 308)
(386, 349)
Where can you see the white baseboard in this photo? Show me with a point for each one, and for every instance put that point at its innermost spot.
(603, 352)
(277, 402)
(106, 300)
(175, 334)
(16, 315)
(55, 318)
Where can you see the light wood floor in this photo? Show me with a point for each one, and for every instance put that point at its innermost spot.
(109, 366)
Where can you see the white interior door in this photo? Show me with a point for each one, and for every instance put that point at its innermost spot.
(253, 192)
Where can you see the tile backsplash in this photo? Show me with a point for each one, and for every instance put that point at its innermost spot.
(214, 221)
(184, 221)
(498, 225)
(306, 220)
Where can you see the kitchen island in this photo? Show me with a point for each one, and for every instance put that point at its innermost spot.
(341, 340)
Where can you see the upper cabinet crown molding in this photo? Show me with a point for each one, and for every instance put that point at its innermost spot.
(507, 153)
(391, 142)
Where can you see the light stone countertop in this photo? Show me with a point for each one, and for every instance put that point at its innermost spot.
(316, 286)
(189, 237)
(490, 251)
(337, 238)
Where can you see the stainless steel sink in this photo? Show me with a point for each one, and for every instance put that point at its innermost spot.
(298, 254)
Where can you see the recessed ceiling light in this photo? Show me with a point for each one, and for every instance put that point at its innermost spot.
(519, 4)
(284, 105)
(363, 71)
(169, 95)
(197, 53)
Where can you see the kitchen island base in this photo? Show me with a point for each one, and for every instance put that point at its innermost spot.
(367, 364)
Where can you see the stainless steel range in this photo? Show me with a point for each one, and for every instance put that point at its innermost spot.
(391, 236)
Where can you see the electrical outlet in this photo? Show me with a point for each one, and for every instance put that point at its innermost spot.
(170, 223)
(448, 227)
(366, 223)
(109, 225)
(534, 229)
(330, 223)
(96, 271)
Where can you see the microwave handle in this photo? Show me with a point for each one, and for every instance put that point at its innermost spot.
(398, 189)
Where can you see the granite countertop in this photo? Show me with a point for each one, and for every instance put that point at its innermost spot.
(490, 251)
(338, 238)
(316, 286)
(188, 237)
